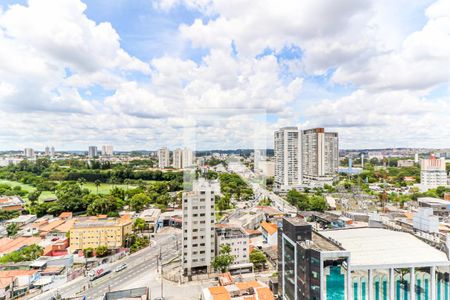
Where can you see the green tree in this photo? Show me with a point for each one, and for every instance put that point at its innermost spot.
(12, 229)
(81, 181)
(258, 259)
(101, 251)
(33, 197)
(88, 252)
(317, 203)
(27, 253)
(298, 199)
(103, 204)
(139, 201)
(118, 193)
(69, 195)
(224, 259)
(139, 225)
(97, 184)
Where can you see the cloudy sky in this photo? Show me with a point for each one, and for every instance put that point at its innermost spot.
(139, 74)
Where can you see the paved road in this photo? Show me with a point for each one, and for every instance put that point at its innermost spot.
(138, 265)
(260, 191)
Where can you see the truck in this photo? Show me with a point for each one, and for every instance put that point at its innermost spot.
(99, 271)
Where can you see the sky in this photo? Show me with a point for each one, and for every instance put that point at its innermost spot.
(223, 74)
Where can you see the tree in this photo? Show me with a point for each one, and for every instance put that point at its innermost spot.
(88, 252)
(103, 204)
(258, 259)
(139, 201)
(317, 203)
(81, 181)
(139, 225)
(12, 229)
(224, 259)
(69, 195)
(97, 184)
(34, 196)
(27, 253)
(101, 251)
(298, 199)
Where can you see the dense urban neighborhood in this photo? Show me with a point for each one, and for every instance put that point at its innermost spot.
(73, 223)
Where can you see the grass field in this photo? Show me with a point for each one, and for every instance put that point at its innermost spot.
(104, 188)
(28, 188)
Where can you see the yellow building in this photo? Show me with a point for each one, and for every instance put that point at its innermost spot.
(92, 232)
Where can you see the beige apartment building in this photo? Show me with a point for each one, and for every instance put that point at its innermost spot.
(92, 232)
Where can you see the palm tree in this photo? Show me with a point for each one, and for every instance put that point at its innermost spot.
(97, 184)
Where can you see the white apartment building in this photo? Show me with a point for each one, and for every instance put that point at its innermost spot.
(47, 151)
(237, 239)
(178, 159)
(198, 226)
(287, 147)
(92, 151)
(107, 150)
(320, 156)
(28, 152)
(188, 158)
(183, 158)
(163, 158)
(432, 173)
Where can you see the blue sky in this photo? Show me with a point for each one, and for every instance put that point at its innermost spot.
(138, 74)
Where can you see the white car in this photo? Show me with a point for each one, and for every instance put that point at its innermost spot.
(120, 267)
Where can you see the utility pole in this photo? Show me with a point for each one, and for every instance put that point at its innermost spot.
(162, 282)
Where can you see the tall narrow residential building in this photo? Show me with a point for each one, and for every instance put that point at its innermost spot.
(163, 158)
(47, 151)
(287, 147)
(183, 158)
(52, 151)
(198, 226)
(178, 158)
(107, 150)
(320, 155)
(188, 158)
(92, 151)
(433, 173)
(28, 152)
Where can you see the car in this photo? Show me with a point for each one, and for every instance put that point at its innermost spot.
(120, 267)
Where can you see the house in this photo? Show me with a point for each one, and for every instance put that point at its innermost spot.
(21, 280)
(231, 290)
(11, 203)
(8, 245)
(22, 220)
(269, 232)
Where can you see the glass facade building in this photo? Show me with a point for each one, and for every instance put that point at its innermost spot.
(358, 264)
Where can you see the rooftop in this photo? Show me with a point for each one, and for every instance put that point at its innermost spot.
(9, 245)
(270, 228)
(100, 221)
(433, 200)
(376, 246)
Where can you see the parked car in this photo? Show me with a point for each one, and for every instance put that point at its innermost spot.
(120, 267)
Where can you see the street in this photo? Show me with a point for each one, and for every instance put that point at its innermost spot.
(140, 264)
(260, 191)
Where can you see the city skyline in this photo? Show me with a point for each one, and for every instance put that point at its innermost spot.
(136, 74)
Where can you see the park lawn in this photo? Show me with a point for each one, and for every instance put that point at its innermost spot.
(104, 188)
(28, 188)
